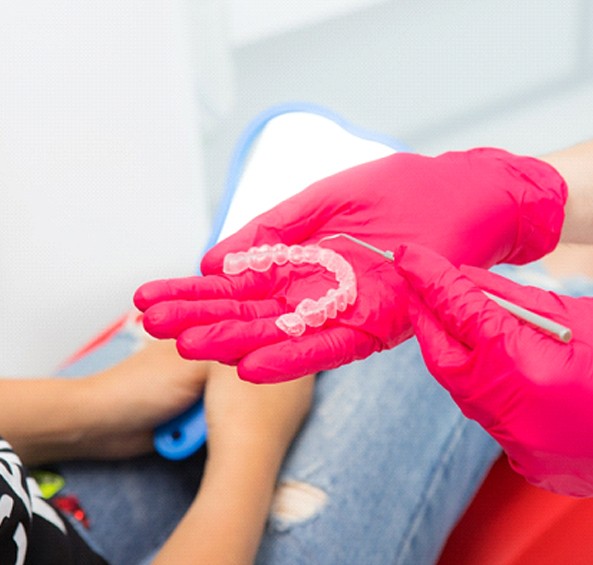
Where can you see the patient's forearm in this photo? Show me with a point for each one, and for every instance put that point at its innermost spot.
(250, 429)
(45, 419)
(225, 523)
(575, 164)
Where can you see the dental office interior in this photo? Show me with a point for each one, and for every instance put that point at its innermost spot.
(118, 121)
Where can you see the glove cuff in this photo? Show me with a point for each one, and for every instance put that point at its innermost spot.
(541, 194)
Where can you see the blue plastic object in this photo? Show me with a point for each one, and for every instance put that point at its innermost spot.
(184, 435)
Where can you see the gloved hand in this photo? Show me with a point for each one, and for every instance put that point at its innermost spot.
(477, 207)
(532, 393)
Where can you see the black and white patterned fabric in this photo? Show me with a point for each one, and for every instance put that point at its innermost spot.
(32, 531)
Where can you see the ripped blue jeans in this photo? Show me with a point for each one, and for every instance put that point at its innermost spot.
(380, 473)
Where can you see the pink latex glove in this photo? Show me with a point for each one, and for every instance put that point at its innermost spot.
(532, 393)
(478, 207)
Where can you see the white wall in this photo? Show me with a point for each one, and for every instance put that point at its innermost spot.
(100, 167)
(254, 20)
(438, 75)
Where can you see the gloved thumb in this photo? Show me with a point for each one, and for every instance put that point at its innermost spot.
(464, 311)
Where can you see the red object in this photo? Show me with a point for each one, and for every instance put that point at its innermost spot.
(511, 522)
(101, 338)
(130, 318)
(70, 505)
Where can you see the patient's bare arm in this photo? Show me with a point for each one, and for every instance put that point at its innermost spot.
(110, 414)
(113, 414)
(575, 164)
(250, 427)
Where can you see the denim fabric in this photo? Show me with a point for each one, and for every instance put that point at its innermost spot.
(396, 458)
(389, 457)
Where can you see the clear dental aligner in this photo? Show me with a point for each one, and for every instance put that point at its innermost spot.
(309, 312)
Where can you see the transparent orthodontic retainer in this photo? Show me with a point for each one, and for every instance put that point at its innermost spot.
(308, 313)
(311, 313)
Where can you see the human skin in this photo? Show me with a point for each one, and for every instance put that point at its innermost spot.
(575, 164)
(575, 254)
(112, 415)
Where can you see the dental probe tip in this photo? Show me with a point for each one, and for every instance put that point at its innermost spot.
(386, 254)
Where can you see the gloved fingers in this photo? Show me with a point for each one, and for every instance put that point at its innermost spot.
(152, 292)
(310, 353)
(464, 311)
(443, 354)
(535, 299)
(243, 286)
(166, 320)
(228, 341)
(478, 379)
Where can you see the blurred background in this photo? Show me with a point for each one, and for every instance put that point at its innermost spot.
(118, 119)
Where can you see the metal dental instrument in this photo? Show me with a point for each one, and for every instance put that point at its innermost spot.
(387, 254)
(556, 330)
